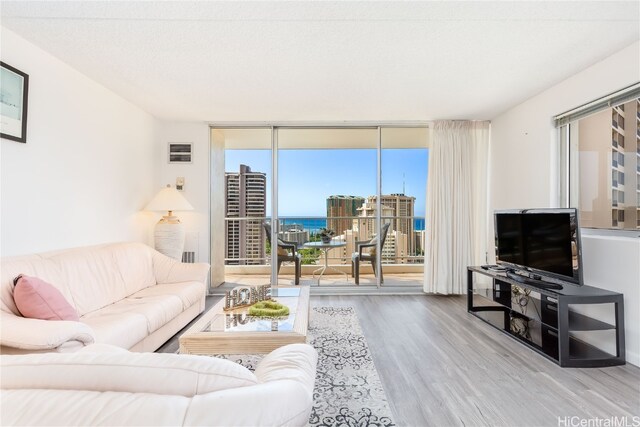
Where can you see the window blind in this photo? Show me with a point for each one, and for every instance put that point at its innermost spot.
(618, 97)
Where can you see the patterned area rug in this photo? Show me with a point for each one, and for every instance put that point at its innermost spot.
(348, 391)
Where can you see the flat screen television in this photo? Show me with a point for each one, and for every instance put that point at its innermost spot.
(544, 242)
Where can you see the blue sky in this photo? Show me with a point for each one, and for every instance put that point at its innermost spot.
(308, 177)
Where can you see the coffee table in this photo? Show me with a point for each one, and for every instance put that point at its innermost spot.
(235, 332)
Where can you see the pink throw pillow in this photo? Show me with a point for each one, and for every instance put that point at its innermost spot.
(38, 299)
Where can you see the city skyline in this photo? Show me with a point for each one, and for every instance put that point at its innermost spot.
(308, 177)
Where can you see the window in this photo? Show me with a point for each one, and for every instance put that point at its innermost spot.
(602, 148)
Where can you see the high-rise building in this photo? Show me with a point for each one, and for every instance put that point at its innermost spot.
(421, 241)
(339, 209)
(403, 207)
(609, 144)
(399, 212)
(365, 223)
(297, 235)
(395, 249)
(246, 197)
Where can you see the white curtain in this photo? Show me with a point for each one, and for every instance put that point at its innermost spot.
(457, 194)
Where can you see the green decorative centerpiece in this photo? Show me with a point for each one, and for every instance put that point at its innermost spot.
(268, 309)
(326, 235)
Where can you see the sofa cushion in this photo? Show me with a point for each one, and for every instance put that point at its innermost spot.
(157, 309)
(84, 408)
(92, 277)
(98, 276)
(116, 325)
(38, 299)
(189, 292)
(135, 263)
(159, 373)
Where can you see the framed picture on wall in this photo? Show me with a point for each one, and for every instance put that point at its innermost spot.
(14, 90)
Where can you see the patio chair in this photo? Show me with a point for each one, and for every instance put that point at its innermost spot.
(371, 256)
(287, 251)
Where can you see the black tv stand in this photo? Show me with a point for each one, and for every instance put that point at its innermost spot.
(533, 282)
(553, 322)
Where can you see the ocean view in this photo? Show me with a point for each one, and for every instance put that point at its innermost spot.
(313, 224)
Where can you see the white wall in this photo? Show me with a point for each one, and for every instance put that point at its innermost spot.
(523, 174)
(196, 174)
(614, 263)
(89, 165)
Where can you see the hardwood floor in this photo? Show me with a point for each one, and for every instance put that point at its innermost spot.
(440, 366)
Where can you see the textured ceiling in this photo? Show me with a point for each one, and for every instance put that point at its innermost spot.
(317, 61)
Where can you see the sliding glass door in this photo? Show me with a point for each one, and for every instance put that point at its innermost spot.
(246, 199)
(404, 164)
(329, 207)
(325, 176)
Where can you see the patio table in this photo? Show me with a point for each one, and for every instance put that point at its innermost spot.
(325, 248)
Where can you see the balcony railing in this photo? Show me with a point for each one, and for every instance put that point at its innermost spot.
(246, 242)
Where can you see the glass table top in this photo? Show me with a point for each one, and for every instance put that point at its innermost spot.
(239, 320)
(322, 245)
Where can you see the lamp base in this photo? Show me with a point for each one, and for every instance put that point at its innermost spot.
(169, 237)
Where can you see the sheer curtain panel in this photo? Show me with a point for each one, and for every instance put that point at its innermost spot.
(457, 195)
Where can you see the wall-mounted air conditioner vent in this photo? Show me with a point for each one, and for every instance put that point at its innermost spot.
(180, 152)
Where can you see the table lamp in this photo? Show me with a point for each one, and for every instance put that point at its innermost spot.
(169, 231)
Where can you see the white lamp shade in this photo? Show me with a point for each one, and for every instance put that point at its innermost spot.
(169, 199)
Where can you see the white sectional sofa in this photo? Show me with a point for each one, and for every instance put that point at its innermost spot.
(115, 387)
(126, 294)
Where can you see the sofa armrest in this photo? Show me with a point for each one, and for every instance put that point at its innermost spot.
(36, 334)
(283, 403)
(295, 362)
(284, 396)
(168, 270)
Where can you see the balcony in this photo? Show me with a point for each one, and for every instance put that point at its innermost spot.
(394, 283)
(402, 253)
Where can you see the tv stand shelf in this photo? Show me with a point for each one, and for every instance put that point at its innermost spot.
(549, 321)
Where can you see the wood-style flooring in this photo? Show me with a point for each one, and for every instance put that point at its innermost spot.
(440, 366)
